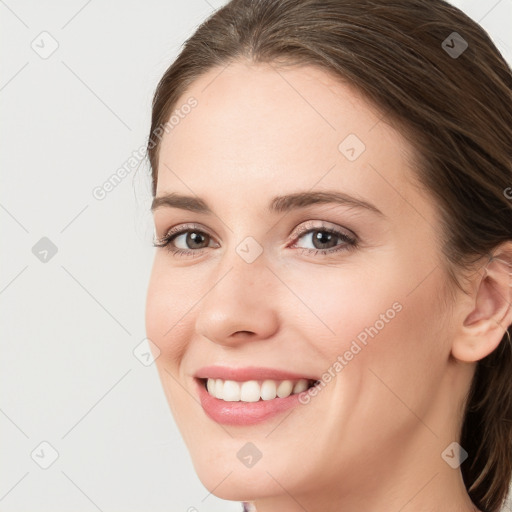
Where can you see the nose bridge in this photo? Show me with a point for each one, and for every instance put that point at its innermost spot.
(244, 267)
(239, 297)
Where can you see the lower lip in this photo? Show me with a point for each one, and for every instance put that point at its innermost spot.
(243, 413)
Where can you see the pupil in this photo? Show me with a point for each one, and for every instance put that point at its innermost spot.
(323, 238)
(194, 238)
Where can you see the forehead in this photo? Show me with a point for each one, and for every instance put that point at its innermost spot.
(255, 125)
(269, 105)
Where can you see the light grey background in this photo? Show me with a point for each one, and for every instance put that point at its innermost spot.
(70, 325)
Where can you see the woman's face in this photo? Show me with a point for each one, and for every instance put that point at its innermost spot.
(269, 280)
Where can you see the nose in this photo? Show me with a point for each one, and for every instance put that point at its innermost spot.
(239, 305)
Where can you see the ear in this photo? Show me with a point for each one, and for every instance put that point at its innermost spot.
(490, 309)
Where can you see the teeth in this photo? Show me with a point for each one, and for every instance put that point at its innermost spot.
(219, 388)
(249, 391)
(231, 391)
(268, 390)
(301, 386)
(285, 389)
(253, 390)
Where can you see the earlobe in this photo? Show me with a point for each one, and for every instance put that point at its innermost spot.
(485, 325)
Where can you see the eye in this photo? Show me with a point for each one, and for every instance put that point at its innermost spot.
(191, 239)
(188, 240)
(324, 239)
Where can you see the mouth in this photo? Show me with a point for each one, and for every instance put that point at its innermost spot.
(250, 391)
(247, 395)
(246, 403)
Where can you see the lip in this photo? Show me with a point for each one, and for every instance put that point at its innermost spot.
(248, 373)
(242, 413)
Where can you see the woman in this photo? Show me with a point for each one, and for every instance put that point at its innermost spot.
(331, 293)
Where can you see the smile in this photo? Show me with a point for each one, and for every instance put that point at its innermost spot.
(246, 396)
(254, 390)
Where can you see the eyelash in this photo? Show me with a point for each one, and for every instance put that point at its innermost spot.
(166, 241)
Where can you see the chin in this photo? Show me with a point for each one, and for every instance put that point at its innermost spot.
(242, 484)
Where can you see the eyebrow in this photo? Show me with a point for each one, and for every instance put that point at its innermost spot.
(278, 204)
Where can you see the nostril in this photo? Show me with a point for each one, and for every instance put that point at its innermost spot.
(243, 333)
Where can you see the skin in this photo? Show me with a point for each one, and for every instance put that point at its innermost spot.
(372, 438)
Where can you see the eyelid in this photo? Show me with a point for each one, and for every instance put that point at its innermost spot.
(304, 228)
(311, 225)
(183, 228)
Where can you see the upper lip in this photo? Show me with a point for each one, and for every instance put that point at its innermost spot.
(248, 373)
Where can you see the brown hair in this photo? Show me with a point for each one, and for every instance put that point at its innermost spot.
(456, 111)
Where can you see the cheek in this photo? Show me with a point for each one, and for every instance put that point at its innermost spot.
(391, 343)
(342, 304)
(375, 320)
(403, 364)
(169, 298)
(167, 302)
